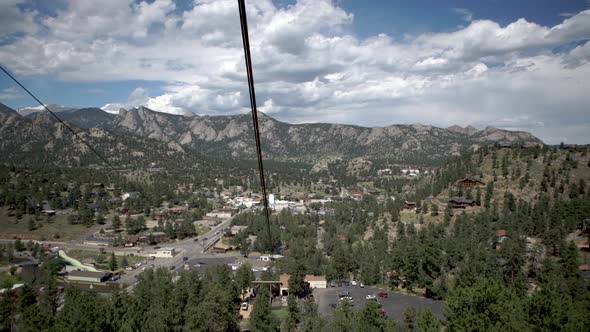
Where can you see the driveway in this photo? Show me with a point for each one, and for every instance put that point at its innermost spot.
(395, 305)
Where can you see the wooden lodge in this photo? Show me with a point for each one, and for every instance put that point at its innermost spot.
(461, 202)
(471, 182)
(410, 205)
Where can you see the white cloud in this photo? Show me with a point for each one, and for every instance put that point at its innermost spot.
(310, 66)
(11, 93)
(138, 97)
(466, 14)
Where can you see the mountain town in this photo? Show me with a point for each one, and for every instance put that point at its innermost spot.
(294, 165)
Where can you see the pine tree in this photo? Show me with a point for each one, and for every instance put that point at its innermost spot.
(113, 262)
(293, 314)
(124, 262)
(31, 224)
(262, 318)
(434, 210)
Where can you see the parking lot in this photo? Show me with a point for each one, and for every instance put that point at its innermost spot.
(394, 305)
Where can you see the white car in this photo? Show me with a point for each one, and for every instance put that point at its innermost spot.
(371, 297)
(244, 306)
(362, 285)
(353, 283)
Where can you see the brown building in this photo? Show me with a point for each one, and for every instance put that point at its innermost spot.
(471, 182)
(461, 202)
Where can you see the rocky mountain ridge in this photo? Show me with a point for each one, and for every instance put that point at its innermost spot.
(232, 136)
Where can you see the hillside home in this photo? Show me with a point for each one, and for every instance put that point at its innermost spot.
(471, 182)
(461, 202)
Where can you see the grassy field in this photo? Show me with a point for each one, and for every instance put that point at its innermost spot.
(412, 217)
(103, 258)
(57, 228)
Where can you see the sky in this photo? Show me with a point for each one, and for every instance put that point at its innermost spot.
(518, 64)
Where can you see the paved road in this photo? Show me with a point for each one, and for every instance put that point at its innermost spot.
(394, 305)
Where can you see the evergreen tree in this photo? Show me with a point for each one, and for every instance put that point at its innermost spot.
(292, 319)
(113, 262)
(31, 224)
(261, 318)
(434, 210)
(116, 221)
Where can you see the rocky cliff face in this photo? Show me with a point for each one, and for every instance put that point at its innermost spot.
(233, 136)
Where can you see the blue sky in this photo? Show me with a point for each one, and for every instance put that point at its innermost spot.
(519, 65)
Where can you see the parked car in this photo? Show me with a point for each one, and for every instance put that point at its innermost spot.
(333, 284)
(151, 258)
(362, 285)
(371, 297)
(185, 258)
(353, 283)
(129, 268)
(244, 306)
(343, 294)
(383, 295)
(345, 283)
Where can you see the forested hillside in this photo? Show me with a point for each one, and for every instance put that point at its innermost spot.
(511, 261)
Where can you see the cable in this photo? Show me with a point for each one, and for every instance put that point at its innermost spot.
(60, 120)
(248, 59)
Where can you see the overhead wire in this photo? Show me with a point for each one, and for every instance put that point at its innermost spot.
(60, 120)
(250, 76)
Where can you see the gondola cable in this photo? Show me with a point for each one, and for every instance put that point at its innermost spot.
(61, 121)
(250, 76)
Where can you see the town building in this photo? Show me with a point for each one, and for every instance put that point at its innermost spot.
(166, 252)
(316, 281)
(87, 276)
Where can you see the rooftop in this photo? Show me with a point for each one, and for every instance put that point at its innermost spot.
(88, 274)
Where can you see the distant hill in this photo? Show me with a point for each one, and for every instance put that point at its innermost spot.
(232, 136)
(38, 139)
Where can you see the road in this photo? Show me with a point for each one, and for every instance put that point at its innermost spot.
(395, 305)
(193, 248)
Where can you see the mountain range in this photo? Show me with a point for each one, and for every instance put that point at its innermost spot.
(232, 136)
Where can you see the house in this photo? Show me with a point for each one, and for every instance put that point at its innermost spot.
(356, 195)
(316, 281)
(87, 276)
(131, 195)
(48, 212)
(410, 205)
(471, 182)
(461, 202)
(284, 288)
(410, 171)
(385, 171)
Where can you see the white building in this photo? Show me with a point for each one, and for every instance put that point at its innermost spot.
(166, 252)
(410, 171)
(316, 281)
(219, 214)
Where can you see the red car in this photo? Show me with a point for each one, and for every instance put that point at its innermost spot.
(383, 295)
